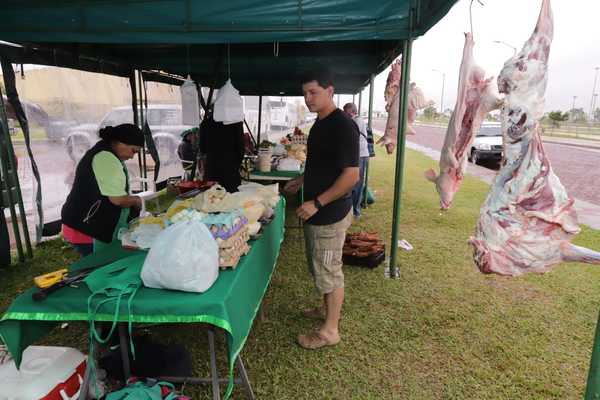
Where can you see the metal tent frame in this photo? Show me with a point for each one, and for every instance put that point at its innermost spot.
(271, 46)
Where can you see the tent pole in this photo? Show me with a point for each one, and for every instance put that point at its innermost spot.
(371, 91)
(370, 125)
(7, 177)
(394, 271)
(13, 98)
(359, 101)
(144, 172)
(592, 390)
(259, 123)
(134, 105)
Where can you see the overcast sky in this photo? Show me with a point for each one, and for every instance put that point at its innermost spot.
(574, 54)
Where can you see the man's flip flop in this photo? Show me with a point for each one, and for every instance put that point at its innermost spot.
(314, 313)
(314, 340)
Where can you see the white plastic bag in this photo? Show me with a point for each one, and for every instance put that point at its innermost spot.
(185, 256)
(288, 164)
(190, 107)
(229, 107)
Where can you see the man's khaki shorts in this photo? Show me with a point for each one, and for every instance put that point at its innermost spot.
(324, 245)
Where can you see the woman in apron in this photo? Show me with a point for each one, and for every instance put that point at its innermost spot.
(99, 203)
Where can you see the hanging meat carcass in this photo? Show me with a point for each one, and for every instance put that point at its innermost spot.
(416, 101)
(476, 97)
(527, 220)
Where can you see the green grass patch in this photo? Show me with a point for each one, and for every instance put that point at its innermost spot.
(36, 133)
(441, 331)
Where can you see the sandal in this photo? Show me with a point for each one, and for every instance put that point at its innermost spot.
(315, 340)
(314, 313)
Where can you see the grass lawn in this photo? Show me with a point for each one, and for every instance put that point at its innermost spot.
(36, 133)
(441, 331)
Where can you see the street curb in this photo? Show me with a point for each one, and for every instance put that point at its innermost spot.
(590, 145)
(583, 146)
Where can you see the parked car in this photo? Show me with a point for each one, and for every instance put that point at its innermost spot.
(164, 121)
(58, 128)
(487, 144)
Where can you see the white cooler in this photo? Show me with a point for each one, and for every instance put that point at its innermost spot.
(48, 373)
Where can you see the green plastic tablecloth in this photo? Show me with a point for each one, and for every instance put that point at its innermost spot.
(231, 303)
(278, 174)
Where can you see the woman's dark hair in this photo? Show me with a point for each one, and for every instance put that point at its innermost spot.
(124, 133)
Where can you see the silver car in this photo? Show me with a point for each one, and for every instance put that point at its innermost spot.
(487, 144)
(164, 121)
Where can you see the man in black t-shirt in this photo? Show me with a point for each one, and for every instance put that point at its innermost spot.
(330, 174)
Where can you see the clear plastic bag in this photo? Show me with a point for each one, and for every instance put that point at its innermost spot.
(185, 256)
(229, 106)
(190, 107)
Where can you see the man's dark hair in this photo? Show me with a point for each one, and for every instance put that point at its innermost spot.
(321, 75)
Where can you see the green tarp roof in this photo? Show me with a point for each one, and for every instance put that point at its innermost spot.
(270, 42)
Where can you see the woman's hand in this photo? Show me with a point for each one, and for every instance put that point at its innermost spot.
(126, 201)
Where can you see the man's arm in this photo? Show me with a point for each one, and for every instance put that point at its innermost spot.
(342, 185)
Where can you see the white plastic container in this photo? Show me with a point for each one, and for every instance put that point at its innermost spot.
(48, 373)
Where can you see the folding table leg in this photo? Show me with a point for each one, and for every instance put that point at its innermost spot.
(124, 348)
(85, 385)
(244, 377)
(91, 363)
(214, 374)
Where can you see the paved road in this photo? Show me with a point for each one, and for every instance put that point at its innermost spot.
(577, 167)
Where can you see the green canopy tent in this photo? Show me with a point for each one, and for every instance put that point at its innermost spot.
(264, 46)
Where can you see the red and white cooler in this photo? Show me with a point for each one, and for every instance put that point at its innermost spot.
(47, 373)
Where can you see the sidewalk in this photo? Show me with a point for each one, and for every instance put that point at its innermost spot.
(566, 141)
(585, 143)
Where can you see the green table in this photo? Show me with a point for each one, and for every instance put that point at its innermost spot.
(274, 175)
(230, 304)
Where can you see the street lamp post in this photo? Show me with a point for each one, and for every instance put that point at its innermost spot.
(593, 92)
(573, 114)
(507, 45)
(443, 84)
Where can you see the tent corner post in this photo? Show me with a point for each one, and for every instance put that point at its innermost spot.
(143, 117)
(134, 107)
(394, 271)
(260, 98)
(370, 125)
(6, 175)
(360, 102)
(592, 390)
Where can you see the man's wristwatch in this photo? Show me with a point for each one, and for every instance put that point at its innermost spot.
(318, 204)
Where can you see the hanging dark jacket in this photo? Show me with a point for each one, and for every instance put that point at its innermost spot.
(86, 209)
(223, 146)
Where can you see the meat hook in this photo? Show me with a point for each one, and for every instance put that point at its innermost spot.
(471, 13)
